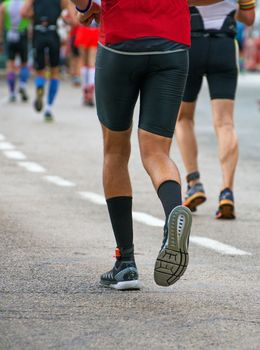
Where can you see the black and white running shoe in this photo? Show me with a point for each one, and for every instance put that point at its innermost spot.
(48, 116)
(23, 94)
(38, 103)
(173, 257)
(124, 275)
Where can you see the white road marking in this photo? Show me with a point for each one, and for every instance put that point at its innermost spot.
(59, 181)
(2, 138)
(93, 197)
(6, 146)
(4, 100)
(217, 246)
(155, 222)
(32, 167)
(17, 155)
(147, 219)
(249, 79)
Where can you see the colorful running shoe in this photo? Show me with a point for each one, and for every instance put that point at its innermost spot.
(226, 208)
(173, 257)
(124, 275)
(23, 94)
(38, 103)
(195, 196)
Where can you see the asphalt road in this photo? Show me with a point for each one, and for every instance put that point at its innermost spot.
(56, 240)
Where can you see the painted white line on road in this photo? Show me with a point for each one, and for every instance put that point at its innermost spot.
(17, 155)
(217, 246)
(59, 181)
(4, 100)
(251, 80)
(32, 167)
(93, 197)
(6, 146)
(2, 138)
(155, 222)
(147, 219)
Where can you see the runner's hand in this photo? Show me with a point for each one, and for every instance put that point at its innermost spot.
(93, 13)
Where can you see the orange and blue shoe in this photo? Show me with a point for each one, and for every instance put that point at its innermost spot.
(195, 196)
(226, 209)
(124, 274)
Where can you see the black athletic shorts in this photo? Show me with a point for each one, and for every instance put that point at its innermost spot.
(217, 59)
(19, 48)
(160, 80)
(46, 48)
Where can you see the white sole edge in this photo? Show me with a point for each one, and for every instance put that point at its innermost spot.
(126, 285)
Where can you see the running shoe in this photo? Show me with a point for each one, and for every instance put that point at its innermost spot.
(124, 275)
(76, 81)
(48, 116)
(226, 209)
(173, 257)
(195, 196)
(23, 94)
(12, 98)
(89, 96)
(38, 103)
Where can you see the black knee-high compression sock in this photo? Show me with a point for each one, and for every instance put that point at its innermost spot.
(169, 193)
(120, 212)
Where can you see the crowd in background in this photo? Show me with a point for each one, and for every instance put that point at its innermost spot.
(72, 59)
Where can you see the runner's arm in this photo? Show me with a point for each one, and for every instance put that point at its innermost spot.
(27, 9)
(66, 4)
(246, 11)
(88, 11)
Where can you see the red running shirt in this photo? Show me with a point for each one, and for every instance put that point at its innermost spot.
(123, 20)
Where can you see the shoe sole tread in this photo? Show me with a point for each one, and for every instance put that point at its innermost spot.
(173, 259)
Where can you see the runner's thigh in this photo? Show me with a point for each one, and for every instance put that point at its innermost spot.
(198, 58)
(39, 45)
(162, 92)
(54, 49)
(117, 87)
(223, 68)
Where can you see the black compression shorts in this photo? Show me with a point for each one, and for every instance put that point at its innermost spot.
(46, 47)
(217, 59)
(160, 80)
(19, 48)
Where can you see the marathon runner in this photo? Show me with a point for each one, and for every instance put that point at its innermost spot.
(46, 42)
(214, 54)
(87, 41)
(143, 49)
(15, 30)
(75, 59)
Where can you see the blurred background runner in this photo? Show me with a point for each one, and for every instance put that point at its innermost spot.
(86, 40)
(213, 54)
(46, 46)
(15, 30)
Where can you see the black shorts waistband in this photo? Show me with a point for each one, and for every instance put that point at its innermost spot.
(206, 34)
(43, 29)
